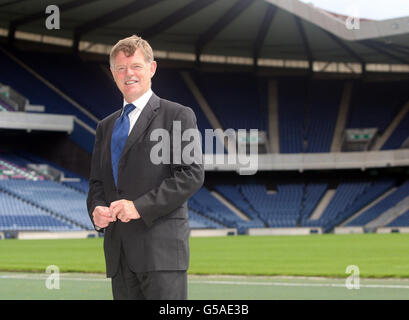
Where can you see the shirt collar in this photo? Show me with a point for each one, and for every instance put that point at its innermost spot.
(141, 102)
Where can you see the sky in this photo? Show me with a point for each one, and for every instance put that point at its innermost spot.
(369, 9)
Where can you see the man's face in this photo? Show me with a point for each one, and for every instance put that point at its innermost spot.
(132, 74)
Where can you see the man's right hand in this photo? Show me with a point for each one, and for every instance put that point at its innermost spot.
(102, 216)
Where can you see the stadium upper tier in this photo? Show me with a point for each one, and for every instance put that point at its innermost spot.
(307, 109)
(399, 136)
(375, 104)
(19, 78)
(237, 100)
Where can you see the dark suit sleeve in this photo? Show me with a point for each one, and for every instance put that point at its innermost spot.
(185, 180)
(96, 195)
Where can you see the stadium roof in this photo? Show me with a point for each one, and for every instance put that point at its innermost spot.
(266, 29)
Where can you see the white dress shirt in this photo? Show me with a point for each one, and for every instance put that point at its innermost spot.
(139, 104)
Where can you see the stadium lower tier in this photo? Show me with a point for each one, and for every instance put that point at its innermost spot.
(30, 202)
(45, 205)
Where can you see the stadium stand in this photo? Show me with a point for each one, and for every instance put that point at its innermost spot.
(52, 196)
(375, 104)
(29, 202)
(204, 203)
(236, 99)
(25, 158)
(401, 221)
(101, 97)
(313, 192)
(399, 136)
(349, 198)
(277, 210)
(17, 215)
(35, 90)
(321, 114)
(302, 97)
(234, 195)
(382, 206)
(4, 106)
(208, 206)
(291, 103)
(10, 170)
(39, 204)
(345, 195)
(180, 93)
(81, 186)
(199, 221)
(307, 114)
(292, 204)
(307, 108)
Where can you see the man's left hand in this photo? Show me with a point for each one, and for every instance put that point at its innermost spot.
(124, 210)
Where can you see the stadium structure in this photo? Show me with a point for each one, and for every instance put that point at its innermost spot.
(327, 94)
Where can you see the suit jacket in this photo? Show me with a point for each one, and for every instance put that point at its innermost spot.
(159, 240)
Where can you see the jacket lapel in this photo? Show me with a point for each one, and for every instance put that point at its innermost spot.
(145, 118)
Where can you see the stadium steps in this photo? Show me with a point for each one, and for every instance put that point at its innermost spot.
(312, 195)
(208, 217)
(73, 187)
(389, 215)
(82, 109)
(257, 214)
(52, 213)
(342, 118)
(229, 205)
(273, 125)
(105, 69)
(391, 128)
(203, 104)
(356, 215)
(319, 210)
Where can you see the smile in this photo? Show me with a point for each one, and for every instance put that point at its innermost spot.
(130, 82)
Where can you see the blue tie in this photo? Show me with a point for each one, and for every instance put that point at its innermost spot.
(118, 140)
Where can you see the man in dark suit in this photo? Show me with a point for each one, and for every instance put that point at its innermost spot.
(140, 205)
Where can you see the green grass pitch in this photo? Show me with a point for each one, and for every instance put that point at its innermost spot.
(376, 255)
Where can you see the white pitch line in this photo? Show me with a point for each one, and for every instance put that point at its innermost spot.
(242, 283)
(19, 277)
(284, 284)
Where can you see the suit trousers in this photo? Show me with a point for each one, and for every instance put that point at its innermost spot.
(153, 285)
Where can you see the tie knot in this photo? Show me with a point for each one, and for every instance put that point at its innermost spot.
(128, 108)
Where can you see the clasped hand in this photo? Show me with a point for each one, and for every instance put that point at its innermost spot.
(123, 210)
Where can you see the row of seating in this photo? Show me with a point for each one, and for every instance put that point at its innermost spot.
(16, 214)
(307, 108)
(283, 205)
(52, 196)
(293, 204)
(388, 202)
(10, 170)
(282, 209)
(402, 220)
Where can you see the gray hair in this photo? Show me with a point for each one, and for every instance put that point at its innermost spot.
(128, 46)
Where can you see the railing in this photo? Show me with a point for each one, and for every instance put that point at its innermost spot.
(250, 164)
(13, 98)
